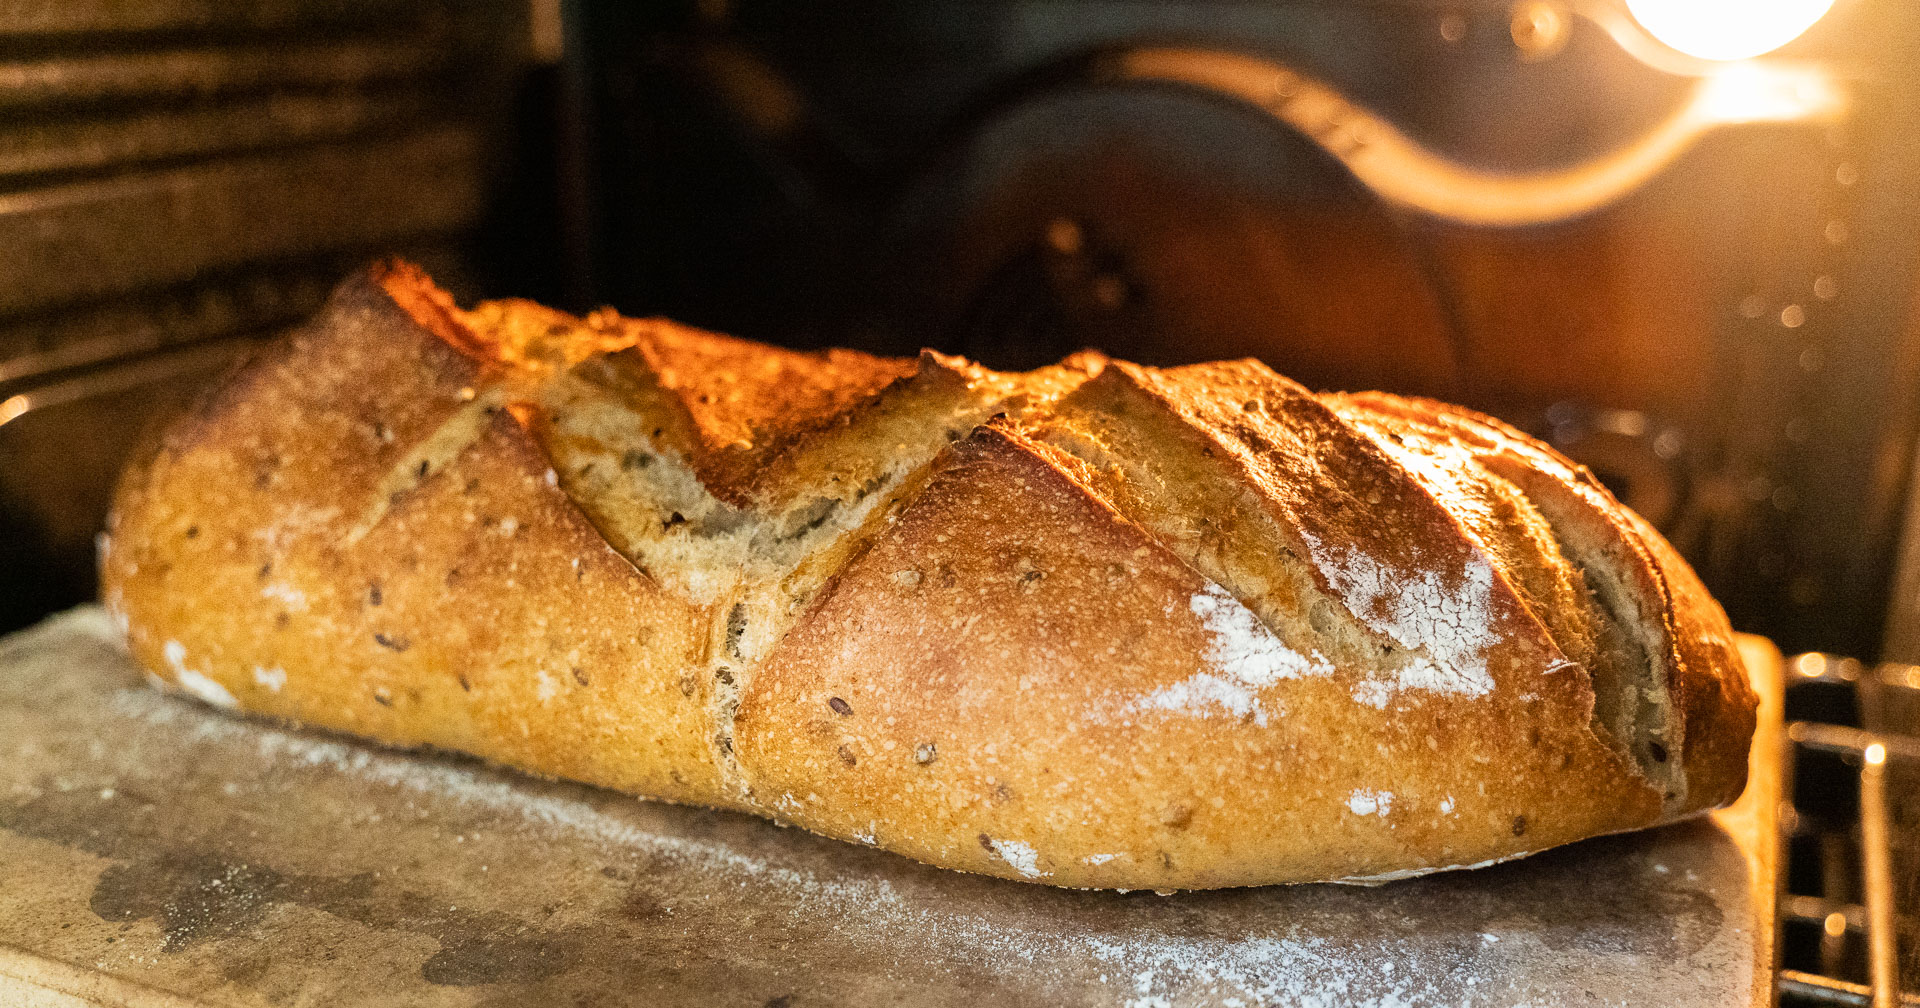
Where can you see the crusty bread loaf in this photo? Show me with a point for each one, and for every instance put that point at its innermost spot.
(1094, 625)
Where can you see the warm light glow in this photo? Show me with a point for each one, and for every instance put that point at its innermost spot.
(1876, 754)
(1727, 29)
(1755, 92)
(1836, 924)
(1402, 171)
(1813, 665)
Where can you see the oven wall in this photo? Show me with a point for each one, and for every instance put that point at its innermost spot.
(1730, 344)
(179, 179)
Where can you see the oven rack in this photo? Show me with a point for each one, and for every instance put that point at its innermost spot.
(1851, 801)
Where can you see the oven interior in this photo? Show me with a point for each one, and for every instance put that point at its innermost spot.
(1694, 275)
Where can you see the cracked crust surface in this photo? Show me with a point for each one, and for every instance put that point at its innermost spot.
(1094, 625)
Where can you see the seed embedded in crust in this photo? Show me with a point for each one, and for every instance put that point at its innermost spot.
(847, 757)
(924, 753)
(1519, 825)
(840, 707)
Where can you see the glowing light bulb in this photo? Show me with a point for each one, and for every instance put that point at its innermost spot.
(1727, 29)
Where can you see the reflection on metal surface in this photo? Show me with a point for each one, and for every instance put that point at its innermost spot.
(1876, 847)
(1827, 990)
(1402, 171)
(1727, 29)
(1539, 28)
(200, 357)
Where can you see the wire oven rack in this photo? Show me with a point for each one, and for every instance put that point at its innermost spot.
(1850, 831)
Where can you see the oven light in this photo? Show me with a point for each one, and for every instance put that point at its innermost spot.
(1727, 29)
(1765, 92)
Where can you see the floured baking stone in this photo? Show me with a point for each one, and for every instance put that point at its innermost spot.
(155, 851)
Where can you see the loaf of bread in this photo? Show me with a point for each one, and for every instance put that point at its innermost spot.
(1095, 625)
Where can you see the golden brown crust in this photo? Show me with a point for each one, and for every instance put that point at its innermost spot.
(736, 405)
(228, 557)
(1148, 628)
(1015, 660)
(1702, 669)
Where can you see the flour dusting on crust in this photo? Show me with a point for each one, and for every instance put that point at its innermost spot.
(1246, 656)
(193, 680)
(1451, 623)
(1020, 856)
(1366, 801)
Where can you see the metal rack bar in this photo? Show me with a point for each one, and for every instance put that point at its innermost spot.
(1827, 990)
(1877, 915)
(1876, 847)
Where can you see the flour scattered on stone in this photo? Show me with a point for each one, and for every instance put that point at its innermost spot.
(1246, 657)
(1136, 950)
(1159, 957)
